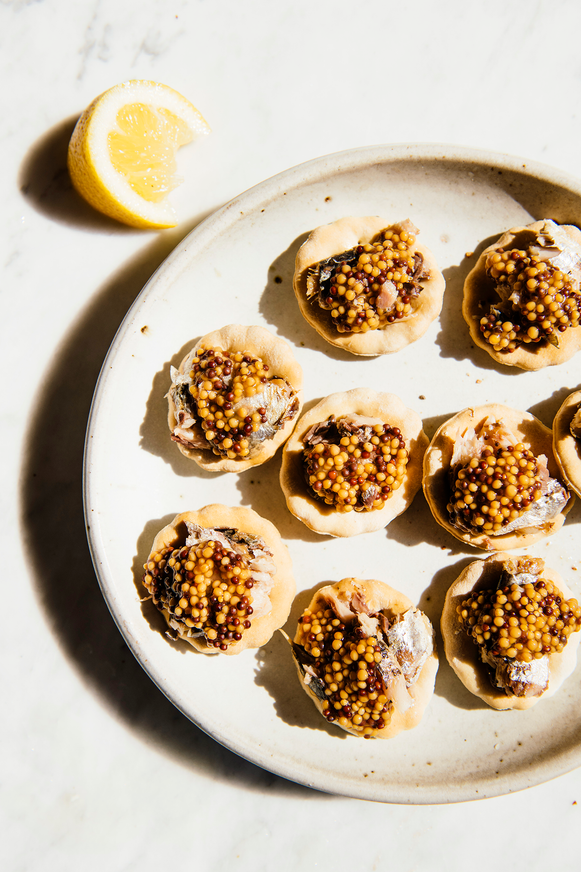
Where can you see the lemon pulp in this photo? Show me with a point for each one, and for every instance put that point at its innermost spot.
(144, 146)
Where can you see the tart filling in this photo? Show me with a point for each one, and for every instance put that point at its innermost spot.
(353, 463)
(373, 284)
(567, 440)
(231, 404)
(366, 657)
(490, 478)
(220, 588)
(498, 485)
(512, 620)
(367, 286)
(522, 301)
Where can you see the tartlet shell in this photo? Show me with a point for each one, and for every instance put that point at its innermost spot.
(462, 653)
(478, 287)
(568, 449)
(380, 596)
(247, 520)
(273, 351)
(437, 465)
(340, 236)
(321, 518)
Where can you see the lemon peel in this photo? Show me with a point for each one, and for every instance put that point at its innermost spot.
(121, 156)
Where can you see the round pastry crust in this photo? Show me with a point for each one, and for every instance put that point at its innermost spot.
(381, 597)
(384, 408)
(462, 652)
(248, 521)
(273, 351)
(479, 288)
(437, 467)
(568, 449)
(343, 235)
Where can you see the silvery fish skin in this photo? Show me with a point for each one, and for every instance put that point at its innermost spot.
(412, 642)
(546, 508)
(518, 678)
(556, 246)
(280, 402)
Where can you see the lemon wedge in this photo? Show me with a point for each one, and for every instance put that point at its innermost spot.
(122, 152)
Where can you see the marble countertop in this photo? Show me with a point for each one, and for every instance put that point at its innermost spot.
(99, 769)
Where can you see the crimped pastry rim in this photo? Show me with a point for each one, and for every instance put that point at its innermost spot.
(342, 235)
(381, 596)
(283, 590)
(462, 653)
(359, 401)
(275, 352)
(436, 467)
(477, 287)
(566, 447)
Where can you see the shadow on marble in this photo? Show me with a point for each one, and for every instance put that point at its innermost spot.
(58, 555)
(45, 183)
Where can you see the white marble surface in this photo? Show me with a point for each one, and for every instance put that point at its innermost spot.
(99, 770)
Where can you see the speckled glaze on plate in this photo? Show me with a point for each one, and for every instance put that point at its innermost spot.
(241, 261)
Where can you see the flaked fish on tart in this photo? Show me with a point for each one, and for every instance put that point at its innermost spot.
(368, 286)
(235, 398)
(221, 577)
(491, 479)
(365, 655)
(511, 630)
(353, 462)
(522, 300)
(567, 440)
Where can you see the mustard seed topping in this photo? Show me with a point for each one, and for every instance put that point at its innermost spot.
(205, 588)
(491, 491)
(232, 401)
(373, 285)
(354, 468)
(538, 301)
(346, 664)
(523, 619)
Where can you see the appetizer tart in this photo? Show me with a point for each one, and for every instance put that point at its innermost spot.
(567, 441)
(222, 578)
(366, 657)
(368, 286)
(511, 630)
(490, 478)
(235, 398)
(353, 462)
(522, 300)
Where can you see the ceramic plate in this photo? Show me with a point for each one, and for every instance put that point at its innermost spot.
(237, 267)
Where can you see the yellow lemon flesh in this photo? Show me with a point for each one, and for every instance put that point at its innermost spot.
(122, 152)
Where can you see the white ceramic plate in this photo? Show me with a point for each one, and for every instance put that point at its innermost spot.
(237, 267)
